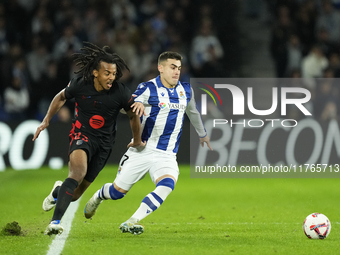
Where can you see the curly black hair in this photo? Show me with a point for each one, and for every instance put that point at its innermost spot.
(91, 56)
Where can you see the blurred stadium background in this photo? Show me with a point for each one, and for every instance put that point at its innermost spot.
(220, 38)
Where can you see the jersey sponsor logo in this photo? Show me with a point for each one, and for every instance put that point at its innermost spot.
(97, 121)
(85, 97)
(172, 106)
(162, 105)
(177, 106)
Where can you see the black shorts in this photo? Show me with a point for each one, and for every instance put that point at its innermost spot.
(97, 154)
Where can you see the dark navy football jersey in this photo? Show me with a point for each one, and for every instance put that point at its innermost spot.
(96, 112)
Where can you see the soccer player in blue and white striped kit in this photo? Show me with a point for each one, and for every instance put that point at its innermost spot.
(166, 99)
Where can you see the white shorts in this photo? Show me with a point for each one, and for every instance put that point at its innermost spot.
(135, 164)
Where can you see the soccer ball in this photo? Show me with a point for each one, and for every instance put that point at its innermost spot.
(317, 226)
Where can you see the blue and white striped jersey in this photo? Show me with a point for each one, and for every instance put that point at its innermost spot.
(165, 108)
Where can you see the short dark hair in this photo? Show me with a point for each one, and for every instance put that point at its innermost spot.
(169, 54)
(91, 57)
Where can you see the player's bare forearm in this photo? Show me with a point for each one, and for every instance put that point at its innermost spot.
(136, 130)
(57, 102)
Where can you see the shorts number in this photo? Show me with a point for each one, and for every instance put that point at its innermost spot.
(79, 135)
(126, 158)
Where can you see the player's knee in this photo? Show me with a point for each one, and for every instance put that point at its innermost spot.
(115, 194)
(167, 182)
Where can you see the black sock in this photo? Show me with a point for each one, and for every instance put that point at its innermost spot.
(65, 196)
(55, 192)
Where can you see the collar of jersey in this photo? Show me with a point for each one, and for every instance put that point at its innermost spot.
(160, 84)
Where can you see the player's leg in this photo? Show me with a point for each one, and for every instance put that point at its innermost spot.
(97, 163)
(131, 170)
(164, 174)
(165, 185)
(108, 191)
(50, 201)
(77, 171)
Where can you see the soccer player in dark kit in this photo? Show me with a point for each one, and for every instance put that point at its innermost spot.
(98, 99)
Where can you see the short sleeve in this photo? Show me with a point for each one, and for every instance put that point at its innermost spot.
(128, 100)
(71, 88)
(141, 94)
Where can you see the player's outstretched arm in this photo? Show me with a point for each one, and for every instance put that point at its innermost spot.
(196, 121)
(57, 102)
(206, 140)
(136, 130)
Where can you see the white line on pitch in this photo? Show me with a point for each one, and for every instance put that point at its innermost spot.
(58, 243)
(226, 223)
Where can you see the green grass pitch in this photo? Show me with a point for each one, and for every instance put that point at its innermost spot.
(201, 216)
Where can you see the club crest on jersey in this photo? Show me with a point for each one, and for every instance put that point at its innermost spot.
(162, 105)
(79, 142)
(181, 94)
(162, 94)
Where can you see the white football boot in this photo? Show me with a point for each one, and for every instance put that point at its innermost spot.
(92, 205)
(54, 228)
(132, 226)
(50, 201)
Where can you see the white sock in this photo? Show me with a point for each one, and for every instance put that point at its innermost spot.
(151, 202)
(104, 192)
(108, 191)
